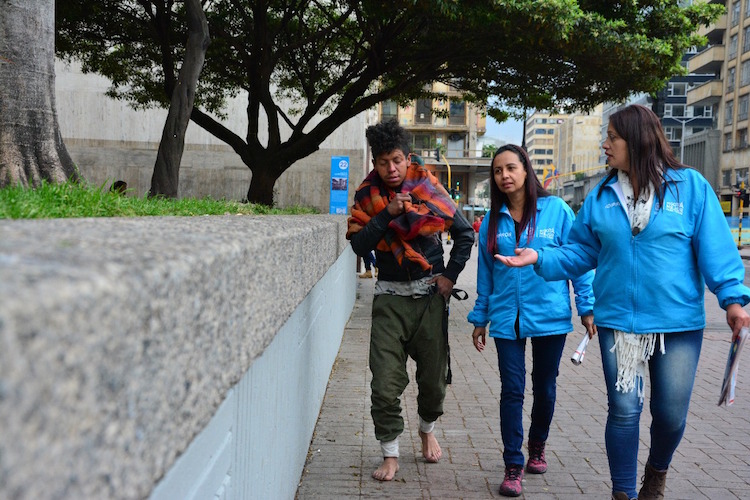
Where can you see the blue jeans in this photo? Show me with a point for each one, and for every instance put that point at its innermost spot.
(546, 352)
(671, 377)
(369, 261)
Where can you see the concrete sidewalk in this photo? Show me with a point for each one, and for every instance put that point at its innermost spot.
(712, 462)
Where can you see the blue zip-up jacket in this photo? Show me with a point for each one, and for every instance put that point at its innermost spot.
(543, 308)
(653, 282)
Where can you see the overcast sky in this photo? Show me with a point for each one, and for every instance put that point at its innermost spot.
(509, 131)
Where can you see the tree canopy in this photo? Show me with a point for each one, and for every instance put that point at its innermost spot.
(307, 66)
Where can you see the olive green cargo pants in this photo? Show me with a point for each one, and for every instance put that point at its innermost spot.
(401, 327)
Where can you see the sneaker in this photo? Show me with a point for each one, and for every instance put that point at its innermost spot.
(366, 274)
(537, 464)
(511, 486)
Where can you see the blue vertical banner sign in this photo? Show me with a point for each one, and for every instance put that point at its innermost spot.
(339, 184)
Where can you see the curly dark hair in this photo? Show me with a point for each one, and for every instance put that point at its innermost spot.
(386, 137)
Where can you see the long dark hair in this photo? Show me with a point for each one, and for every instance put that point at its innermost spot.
(648, 148)
(533, 190)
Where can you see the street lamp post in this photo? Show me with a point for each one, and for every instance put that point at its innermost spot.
(683, 121)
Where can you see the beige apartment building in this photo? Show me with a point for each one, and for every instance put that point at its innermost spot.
(445, 134)
(541, 129)
(567, 143)
(578, 144)
(727, 57)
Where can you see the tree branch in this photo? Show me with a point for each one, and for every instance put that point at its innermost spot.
(219, 131)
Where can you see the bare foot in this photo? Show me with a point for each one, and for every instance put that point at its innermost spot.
(387, 470)
(430, 447)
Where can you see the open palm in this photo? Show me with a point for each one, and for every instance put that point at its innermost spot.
(523, 257)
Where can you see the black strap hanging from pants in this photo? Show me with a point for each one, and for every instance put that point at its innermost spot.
(457, 294)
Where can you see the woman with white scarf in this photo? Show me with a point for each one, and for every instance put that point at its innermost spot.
(656, 234)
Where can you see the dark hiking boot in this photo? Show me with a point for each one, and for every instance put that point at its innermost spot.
(511, 485)
(621, 495)
(654, 482)
(537, 464)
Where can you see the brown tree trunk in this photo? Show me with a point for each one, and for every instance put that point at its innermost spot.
(261, 186)
(166, 176)
(31, 146)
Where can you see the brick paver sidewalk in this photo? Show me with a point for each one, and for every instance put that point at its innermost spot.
(713, 460)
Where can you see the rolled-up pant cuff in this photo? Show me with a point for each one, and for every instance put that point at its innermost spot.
(389, 448)
(426, 427)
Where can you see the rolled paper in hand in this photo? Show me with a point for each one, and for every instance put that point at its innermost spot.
(577, 357)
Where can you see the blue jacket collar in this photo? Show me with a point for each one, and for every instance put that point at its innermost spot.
(540, 202)
(670, 175)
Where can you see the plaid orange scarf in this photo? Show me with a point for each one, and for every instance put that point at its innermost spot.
(431, 211)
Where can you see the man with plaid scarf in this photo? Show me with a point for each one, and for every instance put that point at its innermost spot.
(400, 210)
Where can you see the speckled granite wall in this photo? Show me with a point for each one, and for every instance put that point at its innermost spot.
(119, 338)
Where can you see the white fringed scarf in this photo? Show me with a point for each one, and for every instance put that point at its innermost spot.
(633, 351)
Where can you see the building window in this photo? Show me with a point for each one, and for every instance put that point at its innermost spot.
(456, 145)
(746, 39)
(677, 89)
(550, 131)
(726, 175)
(731, 73)
(423, 143)
(424, 111)
(742, 107)
(733, 47)
(538, 151)
(735, 13)
(674, 110)
(388, 110)
(742, 138)
(540, 131)
(741, 175)
(727, 142)
(673, 133)
(550, 152)
(704, 111)
(457, 113)
(745, 74)
(747, 9)
(729, 113)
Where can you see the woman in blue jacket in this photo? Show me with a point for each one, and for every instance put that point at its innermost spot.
(518, 305)
(656, 233)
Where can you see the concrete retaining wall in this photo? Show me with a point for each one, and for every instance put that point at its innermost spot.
(121, 340)
(217, 172)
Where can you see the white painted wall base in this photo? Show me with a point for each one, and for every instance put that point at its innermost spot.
(256, 444)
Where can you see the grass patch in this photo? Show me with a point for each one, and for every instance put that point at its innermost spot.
(53, 201)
